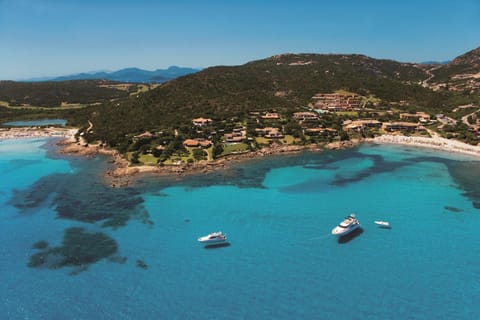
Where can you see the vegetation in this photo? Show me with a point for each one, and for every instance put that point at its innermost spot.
(282, 84)
(53, 94)
(234, 148)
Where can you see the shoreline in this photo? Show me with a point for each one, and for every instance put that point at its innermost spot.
(435, 143)
(35, 132)
(123, 174)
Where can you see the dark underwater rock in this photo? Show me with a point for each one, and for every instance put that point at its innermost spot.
(452, 209)
(142, 264)
(42, 244)
(79, 248)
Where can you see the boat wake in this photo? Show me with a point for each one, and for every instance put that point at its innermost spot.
(321, 237)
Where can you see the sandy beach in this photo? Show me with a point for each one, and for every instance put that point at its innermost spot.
(435, 142)
(29, 132)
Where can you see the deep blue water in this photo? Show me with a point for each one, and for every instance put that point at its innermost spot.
(132, 253)
(33, 123)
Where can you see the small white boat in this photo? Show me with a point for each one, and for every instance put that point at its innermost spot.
(214, 237)
(349, 224)
(383, 224)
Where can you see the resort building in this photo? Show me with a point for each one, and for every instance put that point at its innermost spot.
(398, 126)
(360, 125)
(305, 115)
(197, 143)
(270, 132)
(237, 135)
(200, 122)
(336, 102)
(321, 132)
(271, 116)
(419, 116)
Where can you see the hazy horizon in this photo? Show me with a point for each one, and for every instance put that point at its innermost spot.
(51, 38)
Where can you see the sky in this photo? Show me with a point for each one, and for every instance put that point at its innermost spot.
(59, 37)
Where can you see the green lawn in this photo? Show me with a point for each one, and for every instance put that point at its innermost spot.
(233, 148)
(185, 158)
(288, 139)
(148, 159)
(262, 140)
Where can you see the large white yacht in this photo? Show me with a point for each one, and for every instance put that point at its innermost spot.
(214, 237)
(348, 224)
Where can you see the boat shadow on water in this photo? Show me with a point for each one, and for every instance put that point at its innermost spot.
(349, 237)
(217, 245)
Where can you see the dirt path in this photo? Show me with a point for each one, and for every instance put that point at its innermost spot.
(425, 83)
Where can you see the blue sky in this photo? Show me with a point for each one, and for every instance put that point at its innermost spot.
(56, 37)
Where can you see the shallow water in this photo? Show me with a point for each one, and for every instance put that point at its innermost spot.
(33, 123)
(132, 253)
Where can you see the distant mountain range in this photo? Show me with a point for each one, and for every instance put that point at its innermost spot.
(127, 75)
(436, 62)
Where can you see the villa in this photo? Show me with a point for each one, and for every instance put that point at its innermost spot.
(321, 131)
(336, 102)
(398, 126)
(360, 125)
(419, 116)
(200, 122)
(271, 116)
(270, 132)
(237, 135)
(305, 115)
(196, 143)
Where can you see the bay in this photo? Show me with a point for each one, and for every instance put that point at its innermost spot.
(75, 248)
(33, 123)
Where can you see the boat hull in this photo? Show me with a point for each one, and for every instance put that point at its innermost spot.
(339, 231)
(383, 224)
(211, 241)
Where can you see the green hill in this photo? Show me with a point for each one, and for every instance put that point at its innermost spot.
(468, 63)
(285, 83)
(53, 94)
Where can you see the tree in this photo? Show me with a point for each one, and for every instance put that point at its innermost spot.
(343, 136)
(199, 154)
(217, 150)
(134, 158)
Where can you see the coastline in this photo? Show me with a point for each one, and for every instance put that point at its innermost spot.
(33, 132)
(123, 173)
(435, 142)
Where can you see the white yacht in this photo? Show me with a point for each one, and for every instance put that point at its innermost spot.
(348, 224)
(383, 224)
(214, 237)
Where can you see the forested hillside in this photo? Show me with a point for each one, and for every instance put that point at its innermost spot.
(52, 94)
(285, 83)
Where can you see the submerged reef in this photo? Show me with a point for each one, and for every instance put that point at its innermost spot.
(42, 244)
(141, 264)
(452, 209)
(83, 199)
(79, 248)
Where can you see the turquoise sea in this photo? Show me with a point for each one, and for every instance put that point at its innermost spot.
(43, 122)
(74, 248)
